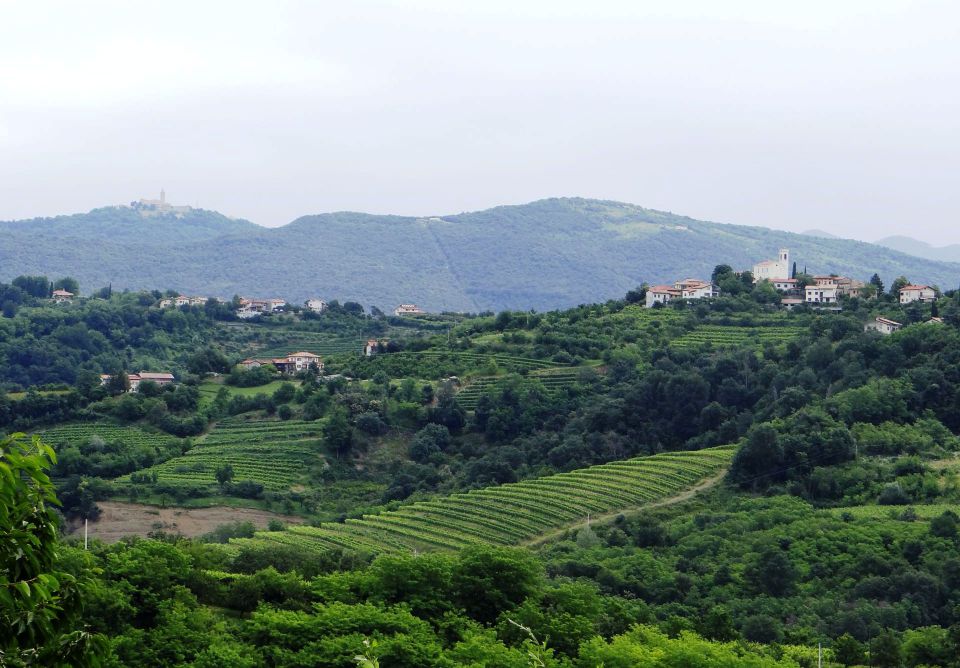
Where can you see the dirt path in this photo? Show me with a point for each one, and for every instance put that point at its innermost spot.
(119, 519)
(686, 495)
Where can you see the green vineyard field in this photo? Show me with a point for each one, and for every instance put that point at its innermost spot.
(273, 453)
(71, 434)
(553, 379)
(726, 336)
(513, 513)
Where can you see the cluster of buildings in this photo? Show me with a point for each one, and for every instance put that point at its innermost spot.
(408, 309)
(687, 288)
(160, 378)
(182, 300)
(250, 308)
(823, 291)
(289, 365)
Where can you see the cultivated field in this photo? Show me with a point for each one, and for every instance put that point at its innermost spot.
(514, 513)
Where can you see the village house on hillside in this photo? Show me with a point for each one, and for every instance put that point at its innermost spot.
(61, 296)
(316, 305)
(160, 378)
(408, 309)
(289, 365)
(882, 326)
(917, 293)
(687, 288)
(250, 308)
(182, 300)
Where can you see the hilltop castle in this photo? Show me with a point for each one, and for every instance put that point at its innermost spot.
(147, 206)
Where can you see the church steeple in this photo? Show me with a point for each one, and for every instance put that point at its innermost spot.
(163, 196)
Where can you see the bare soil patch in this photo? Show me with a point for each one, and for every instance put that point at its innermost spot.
(119, 519)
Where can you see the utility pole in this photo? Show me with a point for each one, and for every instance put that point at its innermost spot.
(819, 655)
(84, 533)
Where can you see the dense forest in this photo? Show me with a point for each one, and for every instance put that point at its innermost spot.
(835, 525)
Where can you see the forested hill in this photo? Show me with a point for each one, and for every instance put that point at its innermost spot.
(546, 254)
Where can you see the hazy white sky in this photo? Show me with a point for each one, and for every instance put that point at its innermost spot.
(842, 115)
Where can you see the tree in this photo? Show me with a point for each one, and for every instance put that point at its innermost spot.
(35, 286)
(898, 283)
(885, 650)
(877, 284)
(721, 271)
(67, 283)
(337, 432)
(224, 474)
(772, 572)
(39, 603)
(848, 651)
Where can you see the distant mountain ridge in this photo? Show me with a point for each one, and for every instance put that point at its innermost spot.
(546, 254)
(922, 249)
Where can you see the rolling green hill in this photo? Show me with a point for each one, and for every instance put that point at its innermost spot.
(546, 254)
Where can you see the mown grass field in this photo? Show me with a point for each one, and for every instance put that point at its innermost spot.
(514, 513)
(209, 389)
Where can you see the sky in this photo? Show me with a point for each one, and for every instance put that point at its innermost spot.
(842, 115)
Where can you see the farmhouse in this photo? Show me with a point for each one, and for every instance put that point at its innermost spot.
(316, 305)
(253, 307)
(770, 270)
(371, 347)
(917, 293)
(61, 296)
(161, 378)
(182, 300)
(882, 325)
(687, 288)
(291, 364)
(408, 309)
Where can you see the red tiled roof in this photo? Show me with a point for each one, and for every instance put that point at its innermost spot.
(915, 287)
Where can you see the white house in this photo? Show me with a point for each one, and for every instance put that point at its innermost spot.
(290, 364)
(371, 347)
(917, 293)
(662, 294)
(408, 309)
(772, 269)
(820, 294)
(694, 288)
(882, 325)
(315, 305)
(687, 288)
(784, 284)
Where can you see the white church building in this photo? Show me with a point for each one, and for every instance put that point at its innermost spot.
(772, 270)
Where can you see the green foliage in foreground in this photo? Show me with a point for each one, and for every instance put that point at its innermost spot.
(38, 600)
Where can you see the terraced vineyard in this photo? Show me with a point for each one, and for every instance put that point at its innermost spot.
(727, 336)
(273, 453)
(514, 513)
(81, 432)
(509, 362)
(552, 379)
(320, 344)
